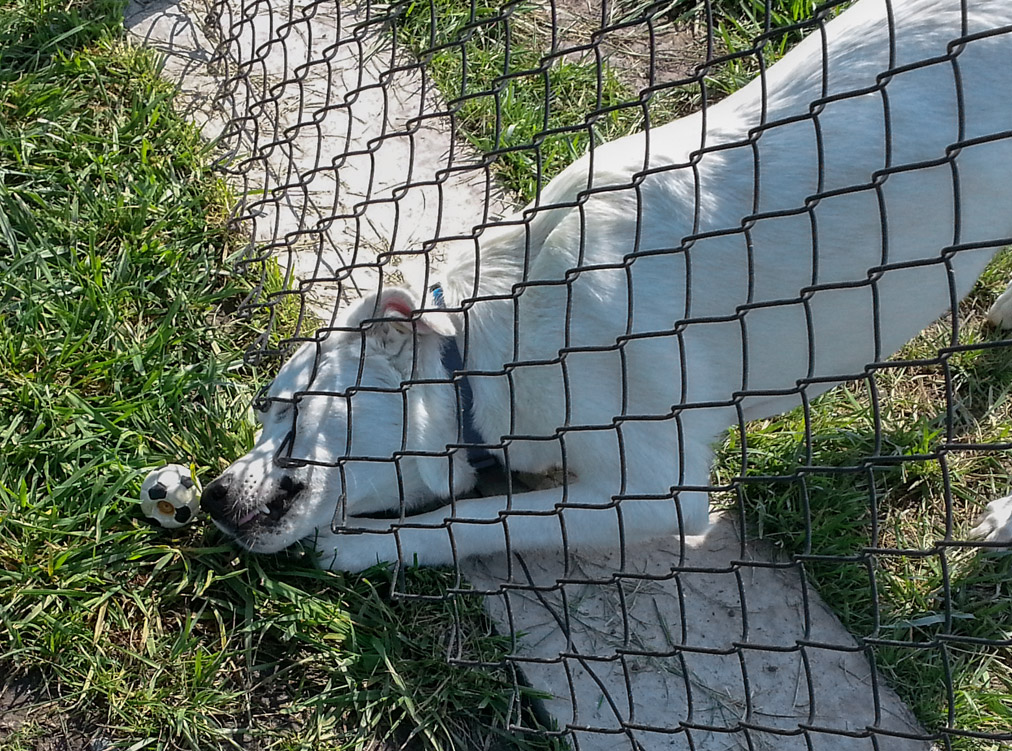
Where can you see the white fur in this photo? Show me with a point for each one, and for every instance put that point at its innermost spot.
(681, 311)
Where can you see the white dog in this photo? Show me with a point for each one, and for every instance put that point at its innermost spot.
(722, 268)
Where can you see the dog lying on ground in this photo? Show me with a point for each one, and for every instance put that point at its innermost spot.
(725, 267)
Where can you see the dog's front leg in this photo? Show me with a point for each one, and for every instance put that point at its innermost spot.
(995, 524)
(535, 520)
(1000, 312)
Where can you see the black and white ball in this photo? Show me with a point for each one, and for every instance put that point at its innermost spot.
(170, 496)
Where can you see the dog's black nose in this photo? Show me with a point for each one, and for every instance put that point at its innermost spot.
(212, 500)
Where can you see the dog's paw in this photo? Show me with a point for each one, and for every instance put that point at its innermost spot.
(1000, 314)
(354, 551)
(995, 525)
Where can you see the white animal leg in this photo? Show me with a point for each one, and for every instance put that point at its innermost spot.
(1000, 313)
(536, 520)
(995, 525)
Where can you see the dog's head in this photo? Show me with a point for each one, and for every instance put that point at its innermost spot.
(356, 422)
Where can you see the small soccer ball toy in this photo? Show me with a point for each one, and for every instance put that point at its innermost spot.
(170, 496)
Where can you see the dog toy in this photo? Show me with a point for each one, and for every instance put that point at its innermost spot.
(170, 496)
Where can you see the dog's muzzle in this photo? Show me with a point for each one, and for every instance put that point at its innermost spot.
(224, 509)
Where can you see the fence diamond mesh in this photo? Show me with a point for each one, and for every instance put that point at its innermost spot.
(542, 338)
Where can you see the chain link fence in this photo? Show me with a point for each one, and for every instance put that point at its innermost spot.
(785, 236)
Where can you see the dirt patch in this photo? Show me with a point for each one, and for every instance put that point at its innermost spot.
(30, 718)
(640, 54)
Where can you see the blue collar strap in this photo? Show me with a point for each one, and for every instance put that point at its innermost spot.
(477, 456)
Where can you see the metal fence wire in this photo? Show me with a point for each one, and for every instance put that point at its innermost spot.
(658, 328)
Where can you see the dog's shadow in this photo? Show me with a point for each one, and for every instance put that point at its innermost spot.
(705, 633)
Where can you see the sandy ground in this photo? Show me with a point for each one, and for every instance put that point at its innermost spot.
(716, 647)
(343, 154)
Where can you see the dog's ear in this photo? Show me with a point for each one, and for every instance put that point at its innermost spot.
(392, 327)
(433, 416)
(388, 319)
(411, 340)
(396, 311)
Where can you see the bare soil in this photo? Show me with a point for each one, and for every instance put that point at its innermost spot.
(641, 54)
(28, 709)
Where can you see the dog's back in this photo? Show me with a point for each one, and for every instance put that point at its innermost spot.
(786, 237)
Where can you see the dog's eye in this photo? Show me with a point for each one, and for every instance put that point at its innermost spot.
(270, 410)
(274, 411)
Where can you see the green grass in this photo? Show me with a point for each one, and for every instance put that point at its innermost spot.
(532, 113)
(119, 351)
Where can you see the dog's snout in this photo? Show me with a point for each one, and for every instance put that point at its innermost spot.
(212, 500)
